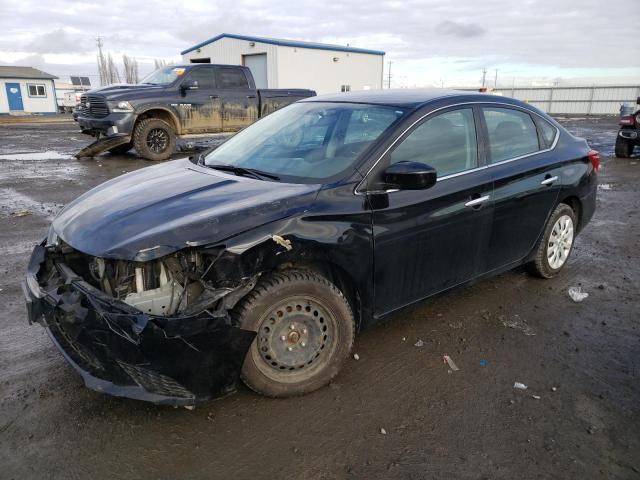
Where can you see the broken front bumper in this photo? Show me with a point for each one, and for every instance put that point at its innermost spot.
(121, 351)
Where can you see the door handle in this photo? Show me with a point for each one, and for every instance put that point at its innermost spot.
(477, 201)
(213, 97)
(251, 96)
(549, 181)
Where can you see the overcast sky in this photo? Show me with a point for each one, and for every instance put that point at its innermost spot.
(429, 42)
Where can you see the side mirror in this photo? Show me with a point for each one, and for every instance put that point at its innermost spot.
(409, 176)
(189, 85)
(638, 101)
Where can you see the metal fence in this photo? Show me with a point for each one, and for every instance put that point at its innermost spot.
(596, 100)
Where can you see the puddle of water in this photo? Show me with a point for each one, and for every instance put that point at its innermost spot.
(48, 155)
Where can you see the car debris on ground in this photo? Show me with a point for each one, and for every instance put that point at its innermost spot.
(519, 386)
(577, 295)
(447, 359)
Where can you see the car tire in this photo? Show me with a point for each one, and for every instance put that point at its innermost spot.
(304, 333)
(624, 147)
(555, 246)
(121, 149)
(154, 139)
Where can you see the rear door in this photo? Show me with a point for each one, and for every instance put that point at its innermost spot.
(426, 241)
(527, 179)
(200, 110)
(239, 98)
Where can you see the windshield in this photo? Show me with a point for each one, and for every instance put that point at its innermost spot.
(163, 76)
(308, 142)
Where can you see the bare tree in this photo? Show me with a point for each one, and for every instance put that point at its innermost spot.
(130, 69)
(102, 64)
(112, 70)
(160, 63)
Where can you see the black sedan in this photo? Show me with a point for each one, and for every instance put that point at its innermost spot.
(262, 259)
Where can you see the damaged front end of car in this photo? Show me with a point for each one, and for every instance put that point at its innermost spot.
(158, 330)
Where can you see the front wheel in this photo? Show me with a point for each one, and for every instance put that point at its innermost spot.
(624, 147)
(154, 139)
(556, 243)
(304, 333)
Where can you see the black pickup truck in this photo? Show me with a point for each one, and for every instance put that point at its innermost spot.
(176, 101)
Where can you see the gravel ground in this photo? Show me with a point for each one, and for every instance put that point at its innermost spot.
(398, 411)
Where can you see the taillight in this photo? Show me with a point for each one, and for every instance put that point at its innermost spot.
(594, 158)
(627, 120)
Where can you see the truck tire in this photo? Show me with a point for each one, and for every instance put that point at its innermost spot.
(305, 331)
(556, 244)
(154, 139)
(121, 149)
(624, 147)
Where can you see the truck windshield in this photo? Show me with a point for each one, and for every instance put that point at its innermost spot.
(307, 142)
(163, 76)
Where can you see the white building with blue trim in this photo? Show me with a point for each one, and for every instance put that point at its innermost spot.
(277, 63)
(26, 90)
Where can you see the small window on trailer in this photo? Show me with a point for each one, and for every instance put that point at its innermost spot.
(37, 90)
(345, 88)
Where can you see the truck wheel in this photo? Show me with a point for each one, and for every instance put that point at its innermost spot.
(305, 331)
(556, 244)
(154, 139)
(624, 147)
(121, 149)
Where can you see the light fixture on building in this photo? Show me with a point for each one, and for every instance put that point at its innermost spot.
(252, 44)
(335, 59)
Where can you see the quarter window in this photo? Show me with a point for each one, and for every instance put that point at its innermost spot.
(512, 133)
(446, 142)
(547, 133)
(37, 90)
(205, 78)
(232, 78)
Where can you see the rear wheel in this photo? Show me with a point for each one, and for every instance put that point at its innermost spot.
(154, 139)
(624, 147)
(556, 243)
(305, 331)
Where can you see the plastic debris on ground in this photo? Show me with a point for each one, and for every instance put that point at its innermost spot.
(577, 295)
(22, 213)
(356, 356)
(419, 343)
(447, 359)
(383, 431)
(518, 324)
(536, 397)
(519, 386)
(483, 363)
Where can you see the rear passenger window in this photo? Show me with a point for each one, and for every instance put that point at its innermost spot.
(232, 78)
(512, 133)
(447, 142)
(548, 133)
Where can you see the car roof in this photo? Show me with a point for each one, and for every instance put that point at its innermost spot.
(411, 98)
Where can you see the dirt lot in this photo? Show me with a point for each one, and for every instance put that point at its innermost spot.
(581, 359)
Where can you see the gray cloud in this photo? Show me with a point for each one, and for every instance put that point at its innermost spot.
(459, 29)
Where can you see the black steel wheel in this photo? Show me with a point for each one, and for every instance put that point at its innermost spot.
(304, 333)
(154, 139)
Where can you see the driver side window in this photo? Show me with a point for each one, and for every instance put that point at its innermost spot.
(447, 142)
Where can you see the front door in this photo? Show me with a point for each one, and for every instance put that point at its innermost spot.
(239, 99)
(426, 241)
(200, 109)
(14, 96)
(526, 175)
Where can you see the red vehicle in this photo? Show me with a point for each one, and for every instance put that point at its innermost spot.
(629, 134)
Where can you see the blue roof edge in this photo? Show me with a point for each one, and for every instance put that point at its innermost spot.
(284, 43)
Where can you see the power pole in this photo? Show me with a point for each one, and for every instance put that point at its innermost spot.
(389, 76)
(484, 76)
(495, 81)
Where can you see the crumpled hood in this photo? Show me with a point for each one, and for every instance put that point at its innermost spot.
(168, 207)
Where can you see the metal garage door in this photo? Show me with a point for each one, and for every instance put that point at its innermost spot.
(258, 66)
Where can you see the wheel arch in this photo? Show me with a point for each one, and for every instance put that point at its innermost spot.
(162, 114)
(576, 205)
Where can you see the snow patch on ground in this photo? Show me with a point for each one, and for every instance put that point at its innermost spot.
(48, 155)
